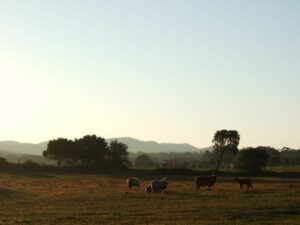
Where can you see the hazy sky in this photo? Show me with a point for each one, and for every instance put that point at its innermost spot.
(170, 71)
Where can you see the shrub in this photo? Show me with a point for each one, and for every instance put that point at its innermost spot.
(252, 159)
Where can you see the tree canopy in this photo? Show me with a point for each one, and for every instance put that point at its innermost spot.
(89, 151)
(252, 159)
(118, 153)
(144, 161)
(225, 141)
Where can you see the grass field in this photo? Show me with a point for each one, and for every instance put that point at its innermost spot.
(92, 199)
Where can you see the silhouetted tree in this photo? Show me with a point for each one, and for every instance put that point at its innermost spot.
(225, 140)
(59, 149)
(4, 164)
(275, 158)
(252, 159)
(143, 161)
(118, 154)
(207, 159)
(29, 164)
(89, 151)
(290, 156)
(92, 150)
(2, 161)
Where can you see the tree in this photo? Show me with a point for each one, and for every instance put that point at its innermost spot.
(207, 159)
(252, 159)
(29, 164)
(4, 164)
(144, 161)
(118, 153)
(92, 150)
(89, 151)
(225, 141)
(59, 149)
(290, 156)
(275, 158)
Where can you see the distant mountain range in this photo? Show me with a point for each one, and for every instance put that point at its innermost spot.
(16, 152)
(134, 145)
(23, 148)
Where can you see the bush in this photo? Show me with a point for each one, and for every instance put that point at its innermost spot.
(252, 160)
(144, 161)
(4, 164)
(29, 164)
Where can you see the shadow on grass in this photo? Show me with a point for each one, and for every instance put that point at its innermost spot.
(171, 174)
(265, 214)
(33, 175)
(7, 192)
(188, 174)
(291, 212)
(196, 195)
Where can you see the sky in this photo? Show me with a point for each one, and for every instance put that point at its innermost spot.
(169, 71)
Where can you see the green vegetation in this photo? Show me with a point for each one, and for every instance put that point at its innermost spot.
(89, 151)
(93, 154)
(91, 199)
(252, 160)
(143, 161)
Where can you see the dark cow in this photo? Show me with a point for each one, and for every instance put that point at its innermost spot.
(243, 181)
(205, 181)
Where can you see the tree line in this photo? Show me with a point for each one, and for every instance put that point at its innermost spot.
(253, 158)
(93, 152)
(226, 154)
(89, 151)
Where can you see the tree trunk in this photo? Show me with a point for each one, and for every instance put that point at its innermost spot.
(219, 161)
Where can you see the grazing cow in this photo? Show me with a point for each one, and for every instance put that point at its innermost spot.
(243, 181)
(148, 189)
(205, 181)
(159, 185)
(133, 182)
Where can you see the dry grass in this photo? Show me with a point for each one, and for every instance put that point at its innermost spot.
(91, 199)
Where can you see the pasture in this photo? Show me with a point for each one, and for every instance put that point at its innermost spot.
(93, 199)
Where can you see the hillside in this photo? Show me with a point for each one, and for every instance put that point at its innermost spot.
(134, 145)
(24, 148)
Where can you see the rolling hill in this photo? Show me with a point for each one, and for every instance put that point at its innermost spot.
(134, 145)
